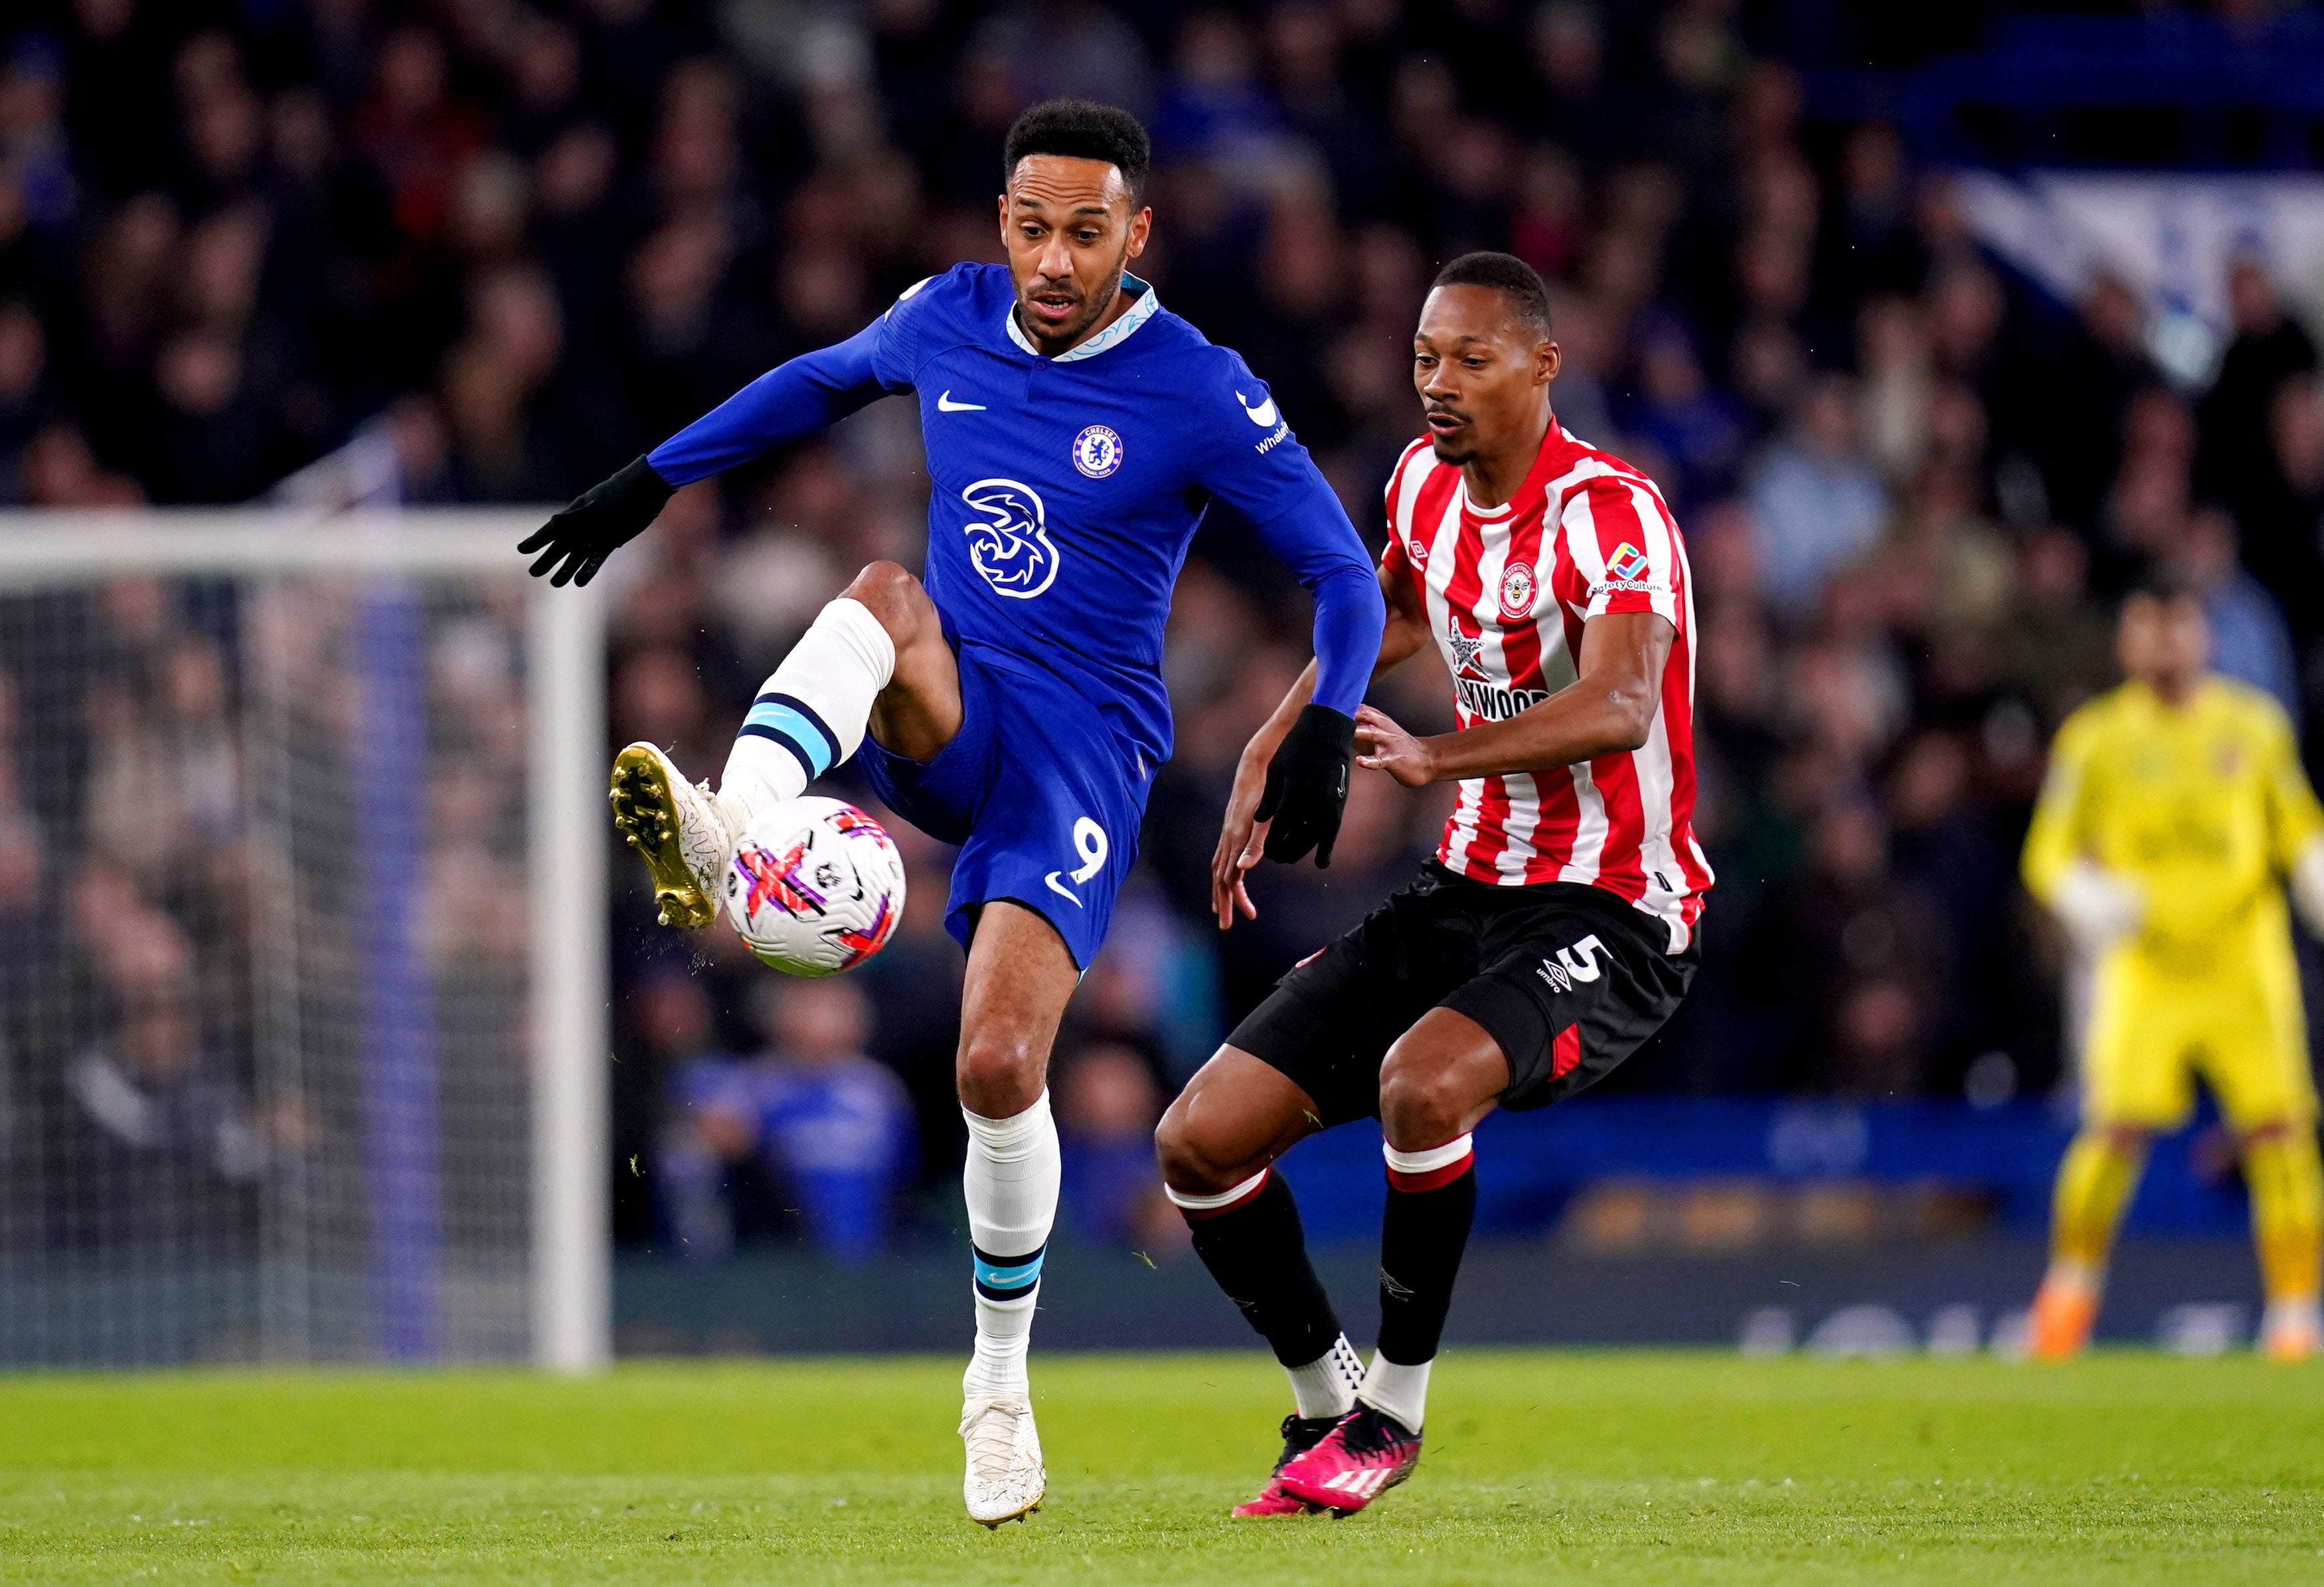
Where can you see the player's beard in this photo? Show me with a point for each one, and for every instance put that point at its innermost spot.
(1459, 448)
(1456, 452)
(1093, 308)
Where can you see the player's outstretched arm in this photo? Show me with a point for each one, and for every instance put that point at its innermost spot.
(1242, 835)
(1608, 709)
(791, 400)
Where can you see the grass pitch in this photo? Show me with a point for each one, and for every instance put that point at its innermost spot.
(1541, 1467)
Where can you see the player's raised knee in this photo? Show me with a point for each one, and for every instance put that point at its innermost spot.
(890, 592)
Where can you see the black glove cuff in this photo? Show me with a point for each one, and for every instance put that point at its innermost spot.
(1324, 728)
(638, 485)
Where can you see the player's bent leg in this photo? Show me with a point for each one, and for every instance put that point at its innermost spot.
(2095, 1182)
(1019, 977)
(879, 643)
(2281, 1167)
(1444, 1074)
(1217, 1145)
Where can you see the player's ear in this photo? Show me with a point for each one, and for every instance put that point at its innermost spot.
(1141, 225)
(1546, 362)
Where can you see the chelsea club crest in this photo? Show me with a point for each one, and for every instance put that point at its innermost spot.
(1097, 451)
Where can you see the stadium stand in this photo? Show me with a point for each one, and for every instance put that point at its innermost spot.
(481, 251)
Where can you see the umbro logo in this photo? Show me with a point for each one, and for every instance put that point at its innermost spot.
(945, 404)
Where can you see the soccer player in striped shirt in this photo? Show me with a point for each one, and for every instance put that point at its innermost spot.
(1555, 930)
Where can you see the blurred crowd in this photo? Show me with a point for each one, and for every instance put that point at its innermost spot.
(449, 250)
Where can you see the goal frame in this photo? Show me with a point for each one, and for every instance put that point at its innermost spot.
(571, 1213)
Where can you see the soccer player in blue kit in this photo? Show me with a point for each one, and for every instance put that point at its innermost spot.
(1077, 433)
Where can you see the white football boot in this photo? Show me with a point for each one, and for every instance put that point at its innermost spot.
(681, 830)
(1005, 1477)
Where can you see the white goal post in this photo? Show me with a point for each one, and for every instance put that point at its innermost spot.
(312, 1064)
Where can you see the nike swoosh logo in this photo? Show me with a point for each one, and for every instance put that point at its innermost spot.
(1263, 415)
(945, 404)
(1060, 888)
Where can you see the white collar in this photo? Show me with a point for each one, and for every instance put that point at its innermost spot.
(1136, 315)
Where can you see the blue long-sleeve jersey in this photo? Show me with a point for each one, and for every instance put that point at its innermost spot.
(1064, 491)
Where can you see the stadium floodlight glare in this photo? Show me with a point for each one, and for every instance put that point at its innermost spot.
(303, 1035)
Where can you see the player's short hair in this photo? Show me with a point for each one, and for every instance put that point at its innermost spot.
(1504, 273)
(2165, 585)
(1081, 129)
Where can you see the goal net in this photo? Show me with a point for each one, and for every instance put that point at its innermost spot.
(301, 943)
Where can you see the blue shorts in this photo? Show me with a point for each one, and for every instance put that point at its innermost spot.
(1042, 796)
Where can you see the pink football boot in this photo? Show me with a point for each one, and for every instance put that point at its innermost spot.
(1300, 1435)
(1361, 1458)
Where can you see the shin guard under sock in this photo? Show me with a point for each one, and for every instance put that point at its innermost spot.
(1431, 1199)
(2287, 1209)
(2094, 1185)
(1250, 1240)
(1009, 1183)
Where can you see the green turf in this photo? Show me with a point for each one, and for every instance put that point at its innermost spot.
(1541, 1467)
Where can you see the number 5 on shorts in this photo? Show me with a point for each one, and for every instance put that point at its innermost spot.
(1089, 843)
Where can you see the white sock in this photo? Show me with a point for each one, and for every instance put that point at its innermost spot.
(809, 715)
(1326, 1386)
(1397, 1392)
(1010, 1184)
(2299, 1313)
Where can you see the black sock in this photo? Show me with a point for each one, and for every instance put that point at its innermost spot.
(1258, 1253)
(1421, 1237)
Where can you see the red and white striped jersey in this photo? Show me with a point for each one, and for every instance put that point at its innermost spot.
(1507, 590)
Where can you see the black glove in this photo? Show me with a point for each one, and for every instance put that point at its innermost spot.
(601, 520)
(1307, 787)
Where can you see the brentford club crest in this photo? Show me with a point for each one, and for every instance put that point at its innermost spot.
(1517, 592)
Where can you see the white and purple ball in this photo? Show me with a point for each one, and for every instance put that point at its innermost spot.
(817, 887)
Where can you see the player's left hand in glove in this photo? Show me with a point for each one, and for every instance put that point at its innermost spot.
(600, 520)
(1307, 785)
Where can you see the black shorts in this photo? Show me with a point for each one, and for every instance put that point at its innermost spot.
(1567, 978)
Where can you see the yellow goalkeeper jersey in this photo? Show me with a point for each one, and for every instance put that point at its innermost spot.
(2203, 807)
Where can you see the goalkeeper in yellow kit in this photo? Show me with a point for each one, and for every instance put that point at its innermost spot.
(2174, 816)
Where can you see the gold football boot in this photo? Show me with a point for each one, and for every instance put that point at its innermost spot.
(678, 828)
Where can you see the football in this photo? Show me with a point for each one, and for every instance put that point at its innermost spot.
(817, 887)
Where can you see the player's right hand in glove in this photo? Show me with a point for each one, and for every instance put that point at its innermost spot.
(1307, 785)
(600, 520)
(2098, 907)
